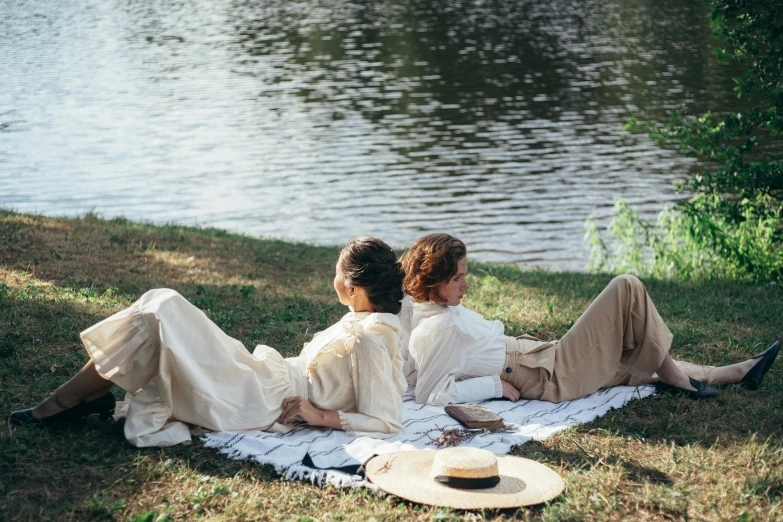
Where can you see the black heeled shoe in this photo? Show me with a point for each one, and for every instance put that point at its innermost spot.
(703, 390)
(103, 406)
(752, 379)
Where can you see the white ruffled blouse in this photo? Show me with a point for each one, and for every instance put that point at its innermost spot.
(454, 354)
(354, 367)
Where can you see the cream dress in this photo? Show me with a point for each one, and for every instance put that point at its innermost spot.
(180, 369)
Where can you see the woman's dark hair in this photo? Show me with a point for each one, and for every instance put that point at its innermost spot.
(371, 264)
(430, 263)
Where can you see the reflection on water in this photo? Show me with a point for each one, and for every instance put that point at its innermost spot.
(498, 121)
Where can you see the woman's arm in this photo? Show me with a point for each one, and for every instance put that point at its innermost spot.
(440, 356)
(296, 408)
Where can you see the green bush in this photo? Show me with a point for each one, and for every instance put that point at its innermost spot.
(732, 225)
(688, 244)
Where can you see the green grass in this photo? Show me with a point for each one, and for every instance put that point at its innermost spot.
(662, 458)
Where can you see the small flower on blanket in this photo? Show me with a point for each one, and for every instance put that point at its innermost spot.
(456, 436)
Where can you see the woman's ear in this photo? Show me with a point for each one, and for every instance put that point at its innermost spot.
(352, 291)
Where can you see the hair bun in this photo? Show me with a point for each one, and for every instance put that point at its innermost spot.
(372, 265)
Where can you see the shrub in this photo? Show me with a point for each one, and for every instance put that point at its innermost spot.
(731, 226)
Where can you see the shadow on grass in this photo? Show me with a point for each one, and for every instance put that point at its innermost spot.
(64, 275)
(732, 419)
(57, 277)
(73, 471)
(70, 469)
(59, 471)
(576, 459)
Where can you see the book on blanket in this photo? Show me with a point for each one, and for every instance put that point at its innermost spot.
(474, 416)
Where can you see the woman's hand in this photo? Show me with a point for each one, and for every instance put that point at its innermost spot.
(297, 409)
(509, 392)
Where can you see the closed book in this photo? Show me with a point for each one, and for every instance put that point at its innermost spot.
(474, 416)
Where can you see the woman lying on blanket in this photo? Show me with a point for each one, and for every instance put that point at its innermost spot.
(178, 367)
(455, 355)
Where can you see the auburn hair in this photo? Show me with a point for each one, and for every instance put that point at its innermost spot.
(431, 262)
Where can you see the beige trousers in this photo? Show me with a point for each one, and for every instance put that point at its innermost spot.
(619, 339)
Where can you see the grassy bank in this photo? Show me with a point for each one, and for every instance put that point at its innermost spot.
(661, 458)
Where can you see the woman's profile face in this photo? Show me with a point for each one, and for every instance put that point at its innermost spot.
(453, 291)
(339, 285)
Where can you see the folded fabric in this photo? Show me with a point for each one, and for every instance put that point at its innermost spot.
(325, 456)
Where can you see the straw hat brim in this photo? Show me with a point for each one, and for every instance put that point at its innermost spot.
(523, 482)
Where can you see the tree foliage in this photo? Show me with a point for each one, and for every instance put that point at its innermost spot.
(731, 226)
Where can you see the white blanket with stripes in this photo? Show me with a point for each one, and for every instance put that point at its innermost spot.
(325, 456)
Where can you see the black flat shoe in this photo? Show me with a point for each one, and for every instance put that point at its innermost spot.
(753, 378)
(703, 390)
(23, 417)
(103, 406)
(74, 414)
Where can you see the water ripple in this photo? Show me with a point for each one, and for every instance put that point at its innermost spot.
(499, 121)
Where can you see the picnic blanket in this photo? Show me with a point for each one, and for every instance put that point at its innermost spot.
(331, 457)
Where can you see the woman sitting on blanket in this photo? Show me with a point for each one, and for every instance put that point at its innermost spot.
(178, 367)
(455, 355)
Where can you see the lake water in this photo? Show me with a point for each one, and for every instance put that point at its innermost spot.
(498, 121)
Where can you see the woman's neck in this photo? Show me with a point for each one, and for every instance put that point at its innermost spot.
(361, 306)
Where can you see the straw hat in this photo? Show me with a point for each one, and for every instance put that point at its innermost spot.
(464, 478)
